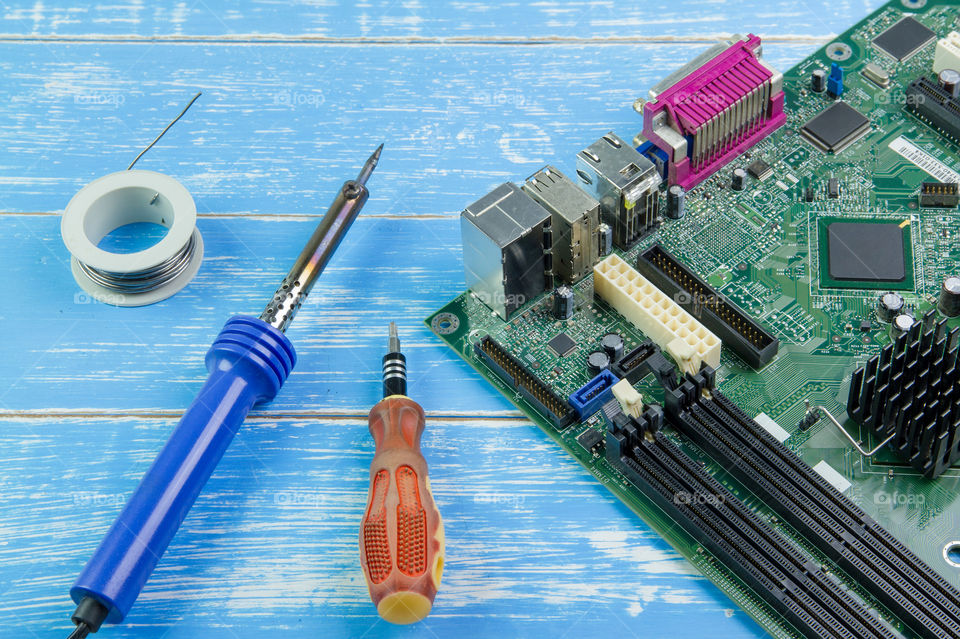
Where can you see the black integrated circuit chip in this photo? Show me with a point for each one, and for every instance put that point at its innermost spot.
(904, 39)
(562, 344)
(590, 439)
(760, 170)
(836, 127)
(867, 252)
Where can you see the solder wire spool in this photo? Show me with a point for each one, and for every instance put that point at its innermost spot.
(127, 197)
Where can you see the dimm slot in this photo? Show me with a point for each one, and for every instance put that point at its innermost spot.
(783, 577)
(910, 588)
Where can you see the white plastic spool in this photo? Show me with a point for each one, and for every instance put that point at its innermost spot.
(128, 197)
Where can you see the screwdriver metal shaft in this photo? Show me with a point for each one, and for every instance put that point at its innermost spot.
(247, 363)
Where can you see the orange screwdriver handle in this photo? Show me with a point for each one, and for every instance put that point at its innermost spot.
(401, 538)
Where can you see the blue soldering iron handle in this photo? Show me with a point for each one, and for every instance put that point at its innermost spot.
(248, 363)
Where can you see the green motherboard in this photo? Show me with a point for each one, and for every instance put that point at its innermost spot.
(765, 245)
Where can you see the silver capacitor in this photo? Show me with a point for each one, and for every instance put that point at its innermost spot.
(737, 178)
(949, 81)
(818, 81)
(901, 324)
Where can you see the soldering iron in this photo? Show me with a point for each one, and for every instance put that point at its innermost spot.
(247, 363)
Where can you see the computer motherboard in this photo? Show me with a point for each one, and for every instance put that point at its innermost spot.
(744, 321)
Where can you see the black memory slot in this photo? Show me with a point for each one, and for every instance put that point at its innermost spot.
(842, 606)
(932, 582)
(806, 516)
(906, 585)
(774, 569)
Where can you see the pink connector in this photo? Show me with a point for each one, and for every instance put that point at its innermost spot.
(716, 112)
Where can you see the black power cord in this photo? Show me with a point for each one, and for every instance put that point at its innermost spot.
(88, 616)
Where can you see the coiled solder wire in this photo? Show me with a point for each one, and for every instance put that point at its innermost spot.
(147, 279)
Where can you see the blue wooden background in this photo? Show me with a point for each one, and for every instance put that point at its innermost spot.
(296, 95)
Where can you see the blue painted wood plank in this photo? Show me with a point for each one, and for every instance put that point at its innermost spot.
(469, 19)
(535, 546)
(101, 357)
(279, 128)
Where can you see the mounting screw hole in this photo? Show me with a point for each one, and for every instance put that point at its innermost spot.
(445, 323)
(839, 51)
(951, 553)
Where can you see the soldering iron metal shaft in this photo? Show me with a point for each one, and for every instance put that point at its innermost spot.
(295, 287)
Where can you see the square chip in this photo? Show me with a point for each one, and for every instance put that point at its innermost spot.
(760, 170)
(866, 254)
(562, 344)
(904, 39)
(836, 127)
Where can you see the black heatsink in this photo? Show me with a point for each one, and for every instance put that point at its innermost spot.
(912, 389)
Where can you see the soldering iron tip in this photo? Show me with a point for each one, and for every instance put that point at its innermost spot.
(393, 344)
(369, 165)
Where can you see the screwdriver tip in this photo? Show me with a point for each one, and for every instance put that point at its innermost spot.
(393, 343)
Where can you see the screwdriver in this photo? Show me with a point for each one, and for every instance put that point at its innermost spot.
(401, 536)
(248, 363)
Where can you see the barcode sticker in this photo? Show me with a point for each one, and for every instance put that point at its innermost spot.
(924, 160)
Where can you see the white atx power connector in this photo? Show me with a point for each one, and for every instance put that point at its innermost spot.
(947, 55)
(659, 317)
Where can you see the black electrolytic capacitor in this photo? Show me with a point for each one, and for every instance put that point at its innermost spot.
(605, 239)
(597, 361)
(676, 202)
(950, 296)
(901, 324)
(889, 306)
(737, 178)
(818, 81)
(612, 344)
(563, 302)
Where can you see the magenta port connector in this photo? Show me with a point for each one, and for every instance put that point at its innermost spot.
(716, 112)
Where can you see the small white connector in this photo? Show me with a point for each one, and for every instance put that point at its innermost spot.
(660, 318)
(631, 402)
(947, 55)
